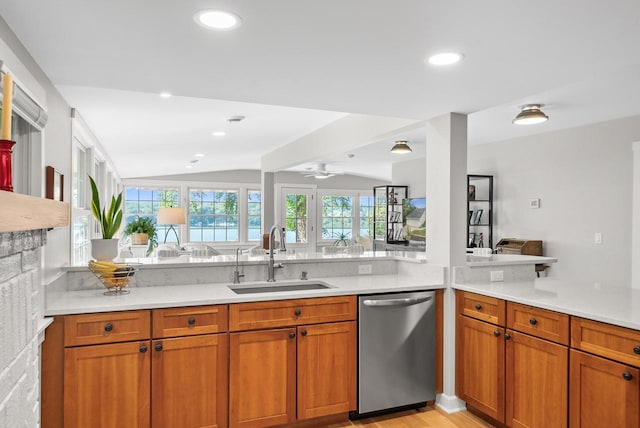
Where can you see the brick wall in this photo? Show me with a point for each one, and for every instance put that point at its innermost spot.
(20, 316)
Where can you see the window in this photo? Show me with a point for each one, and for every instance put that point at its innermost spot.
(145, 201)
(213, 215)
(296, 217)
(80, 233)
(337, 217)
(366, 216)
(79, 177)
(254, 208)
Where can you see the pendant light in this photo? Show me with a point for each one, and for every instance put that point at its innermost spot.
(401, 147)
(530, 115)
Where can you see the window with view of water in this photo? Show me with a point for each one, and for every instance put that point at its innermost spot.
(145, 201)
(254, 208)
(213, 215)
(337, 217)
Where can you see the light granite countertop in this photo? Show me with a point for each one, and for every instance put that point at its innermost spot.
(507, 260)
(606, 303)
(88, 301)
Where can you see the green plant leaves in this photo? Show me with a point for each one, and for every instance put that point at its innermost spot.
(111, 219)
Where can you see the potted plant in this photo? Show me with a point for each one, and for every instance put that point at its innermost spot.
(142, 231)
(342, 239)
(109, 219)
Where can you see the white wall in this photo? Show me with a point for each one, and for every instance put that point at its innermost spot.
(412, 173)
(583, 177)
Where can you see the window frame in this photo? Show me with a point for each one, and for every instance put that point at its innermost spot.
(355, 194)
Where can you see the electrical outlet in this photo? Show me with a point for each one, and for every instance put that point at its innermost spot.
(597, 238)
(365, 269)
(497, 275)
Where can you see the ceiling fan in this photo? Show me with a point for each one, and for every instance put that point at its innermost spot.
(320, 172)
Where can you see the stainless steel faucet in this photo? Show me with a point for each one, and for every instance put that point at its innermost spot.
(272, 266)
(236, 274)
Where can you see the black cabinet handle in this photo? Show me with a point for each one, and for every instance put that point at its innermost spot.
(297, 312)
(292, 335)
(636, 349)
(303, 332)
(191, 321)
(478, 307)
(143, 349)
(108, 327)
(627, 376)
(496, 333)
(533, 321)
(158, 346)
(507, 336)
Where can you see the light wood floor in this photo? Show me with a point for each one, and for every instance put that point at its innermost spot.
(429, 417)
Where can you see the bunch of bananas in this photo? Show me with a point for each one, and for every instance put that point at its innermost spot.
(111, 274)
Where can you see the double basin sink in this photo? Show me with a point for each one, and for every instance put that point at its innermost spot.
(274, 287)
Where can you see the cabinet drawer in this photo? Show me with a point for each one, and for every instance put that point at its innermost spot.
(92, 329)
(189, 321)
(537, 322)
(283, 313)
(610, 341)
(481, 307)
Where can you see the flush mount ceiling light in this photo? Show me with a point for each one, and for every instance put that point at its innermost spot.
(401, 147)
(219, 134)
(217, 19)
(445, 58)
(530, 115)
(165, 94)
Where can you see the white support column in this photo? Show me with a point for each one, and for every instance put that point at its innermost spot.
(267, 180)
(446, 164)
(635, 219)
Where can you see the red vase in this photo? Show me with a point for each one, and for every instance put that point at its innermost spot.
(5, 165)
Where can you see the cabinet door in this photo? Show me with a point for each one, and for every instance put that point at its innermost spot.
(537, 385)
(107, 386)
(481, 366)
(603, 393)
(189, 382)
(326, 369)
(262, 378)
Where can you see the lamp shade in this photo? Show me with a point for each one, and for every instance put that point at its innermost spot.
(171, 215)
(530, 115)
(401, 147)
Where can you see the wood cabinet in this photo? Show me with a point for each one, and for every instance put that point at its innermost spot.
(280, 375)
(603, 393)
(189, 382)
(515, 378)
(107, 386)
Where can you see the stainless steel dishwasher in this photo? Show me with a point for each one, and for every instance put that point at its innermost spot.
(396, 351)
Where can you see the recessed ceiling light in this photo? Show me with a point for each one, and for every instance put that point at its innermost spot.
(445, 58)
(165, 94)
(217, 19)
(188, 166)
(199, 155)
(219, 134)
(235, 119)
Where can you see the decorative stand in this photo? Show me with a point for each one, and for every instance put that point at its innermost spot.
(6, 147)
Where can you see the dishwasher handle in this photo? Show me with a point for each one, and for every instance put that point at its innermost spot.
(409, 301)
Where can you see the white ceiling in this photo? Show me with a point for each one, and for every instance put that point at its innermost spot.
(361, 56)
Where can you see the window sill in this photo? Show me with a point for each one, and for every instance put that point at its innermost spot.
(24, 212)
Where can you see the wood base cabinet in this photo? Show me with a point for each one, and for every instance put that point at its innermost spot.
(107, 386)
(603, 393)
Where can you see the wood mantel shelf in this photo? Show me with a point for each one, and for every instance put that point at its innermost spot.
(23, 212)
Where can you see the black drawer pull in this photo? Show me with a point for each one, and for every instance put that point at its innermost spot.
(478, 307)
(636, 349)
(108, 327)
(303, 332)
(627, 376)
(297, 312)
(507, 336)
(191, 321)
(533, 321)
(143, 349)
(292, 335)
(496, 333)
(158, 346)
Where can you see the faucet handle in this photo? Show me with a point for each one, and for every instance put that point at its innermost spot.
(303, 275)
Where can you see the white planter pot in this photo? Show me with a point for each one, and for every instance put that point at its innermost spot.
(104, 249)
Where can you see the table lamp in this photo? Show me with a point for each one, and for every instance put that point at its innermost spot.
(171, 216)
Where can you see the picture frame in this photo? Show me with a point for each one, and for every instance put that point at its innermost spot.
(477, 216)
(472, 192)
(472, 240)
(470, 216)
(54, 184)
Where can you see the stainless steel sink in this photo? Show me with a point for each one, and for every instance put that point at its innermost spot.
(277, 288)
